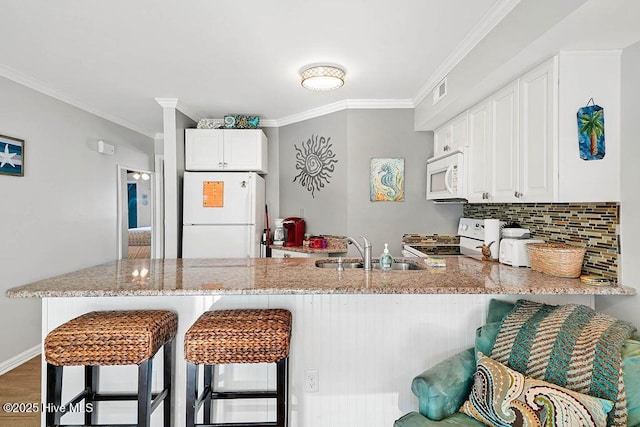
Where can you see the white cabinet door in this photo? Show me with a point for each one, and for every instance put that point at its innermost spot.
(459, 135)
(480, 173)
(244, 150)
(283, 253)
(225, 150)
(538, 92)
(451, 135)
(204, 150)
(504, 111)
(441, 139)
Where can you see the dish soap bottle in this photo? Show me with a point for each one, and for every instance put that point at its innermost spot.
(386, 260)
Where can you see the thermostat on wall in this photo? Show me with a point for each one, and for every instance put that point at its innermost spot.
(105, 148)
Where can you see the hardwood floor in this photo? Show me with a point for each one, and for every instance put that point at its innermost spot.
(21, 385)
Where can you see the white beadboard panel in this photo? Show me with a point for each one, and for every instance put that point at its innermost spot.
(366, 349)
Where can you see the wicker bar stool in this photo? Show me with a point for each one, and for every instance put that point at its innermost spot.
(237, 336)
(103, 338)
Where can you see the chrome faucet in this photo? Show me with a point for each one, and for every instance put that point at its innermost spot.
(364, 252)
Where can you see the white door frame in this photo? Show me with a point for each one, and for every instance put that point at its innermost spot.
(122, 233)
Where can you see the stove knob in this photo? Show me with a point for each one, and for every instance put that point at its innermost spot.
(464, 227)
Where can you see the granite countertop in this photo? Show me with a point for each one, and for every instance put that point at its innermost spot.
(299, 276)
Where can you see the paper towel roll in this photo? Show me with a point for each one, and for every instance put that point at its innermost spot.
(492, 234)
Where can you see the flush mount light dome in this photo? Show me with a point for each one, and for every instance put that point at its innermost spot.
(323, 77)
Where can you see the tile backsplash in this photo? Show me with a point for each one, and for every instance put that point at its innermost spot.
(593, 225)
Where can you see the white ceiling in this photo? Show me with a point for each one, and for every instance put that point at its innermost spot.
(226, 56)
(217, 57)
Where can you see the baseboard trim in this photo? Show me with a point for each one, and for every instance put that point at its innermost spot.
(18, 360)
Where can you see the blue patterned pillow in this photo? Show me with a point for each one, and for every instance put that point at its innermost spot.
(503, 397)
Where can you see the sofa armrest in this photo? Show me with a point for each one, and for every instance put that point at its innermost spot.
(442, 389)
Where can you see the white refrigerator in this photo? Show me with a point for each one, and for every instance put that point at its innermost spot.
(223, 214)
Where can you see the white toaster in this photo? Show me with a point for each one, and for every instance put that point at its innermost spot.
(514, 251)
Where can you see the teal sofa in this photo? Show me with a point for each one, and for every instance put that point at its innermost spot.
(442, 389)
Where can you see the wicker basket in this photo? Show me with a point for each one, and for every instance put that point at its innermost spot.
(556, 259)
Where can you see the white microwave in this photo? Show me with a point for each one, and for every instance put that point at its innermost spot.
(446, 177)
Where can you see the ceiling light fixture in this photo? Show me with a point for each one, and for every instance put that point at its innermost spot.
(323, 77)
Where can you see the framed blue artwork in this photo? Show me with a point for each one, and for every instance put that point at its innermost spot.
(591, 132)
(11, 156)
(387, 180)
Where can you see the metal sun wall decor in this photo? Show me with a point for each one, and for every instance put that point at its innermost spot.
(591, 131)
(11, 156)
(316, 162)
(387, 180)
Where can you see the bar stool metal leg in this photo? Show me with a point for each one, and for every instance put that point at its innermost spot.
(167, 382)
(192, 380)
(208, 390)
(54, 395)
(144, 393)
(91, 388)
(282, 368)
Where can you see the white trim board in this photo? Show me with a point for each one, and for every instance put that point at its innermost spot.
(347, 104)
(496, 14)
(18, 360)
(38, 86)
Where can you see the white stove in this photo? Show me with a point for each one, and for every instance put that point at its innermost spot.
(471, 233)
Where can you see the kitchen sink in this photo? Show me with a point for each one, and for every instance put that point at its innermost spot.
(334, 264)
(399, 265)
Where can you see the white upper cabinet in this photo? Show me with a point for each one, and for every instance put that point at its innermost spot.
(225, 150)
(523, 140)
(480, 153)
(537, 141)
(451, 135)
(504, 144)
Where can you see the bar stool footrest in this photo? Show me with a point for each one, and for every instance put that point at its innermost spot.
(252, 424)
(259, 394)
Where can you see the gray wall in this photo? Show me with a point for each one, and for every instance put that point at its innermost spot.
(343, 207)
(326, 211)
(62, 215)
(627, 307)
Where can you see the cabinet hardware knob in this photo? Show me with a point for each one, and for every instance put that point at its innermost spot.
(225, 164)
(287, 255)
(219, 164)
(517, 194)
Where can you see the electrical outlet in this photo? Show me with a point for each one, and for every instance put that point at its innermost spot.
(311, 381)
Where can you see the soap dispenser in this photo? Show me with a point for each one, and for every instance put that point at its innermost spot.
(386, 260)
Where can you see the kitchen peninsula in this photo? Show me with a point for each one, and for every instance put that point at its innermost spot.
(346, 325)
(294, 276)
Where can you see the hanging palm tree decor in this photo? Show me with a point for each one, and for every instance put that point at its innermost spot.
(591, 131)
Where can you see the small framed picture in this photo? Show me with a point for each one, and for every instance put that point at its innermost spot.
(11, 156)
(387, 180)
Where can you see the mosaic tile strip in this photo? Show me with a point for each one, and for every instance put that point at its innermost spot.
(592, 225)
(430, 239)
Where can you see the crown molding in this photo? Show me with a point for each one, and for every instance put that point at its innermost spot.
(379, 104)
(485, 24)
(38, 86)
(167, 102)
(344, 105)
(268, 123)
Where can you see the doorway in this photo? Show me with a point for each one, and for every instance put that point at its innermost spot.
(135, 213)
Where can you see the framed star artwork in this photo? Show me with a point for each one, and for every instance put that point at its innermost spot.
(11, 156)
